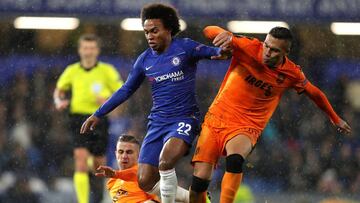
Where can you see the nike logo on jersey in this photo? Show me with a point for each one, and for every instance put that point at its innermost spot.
(148, 68)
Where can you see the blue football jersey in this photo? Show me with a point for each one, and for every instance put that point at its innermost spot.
(172, 77)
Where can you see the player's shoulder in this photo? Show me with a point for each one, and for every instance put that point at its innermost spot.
(104, 65)
(248, 44)
(148, 52)
(73, 67)
(140, 60)
(291, 67)
(182, 40)
(185, 44)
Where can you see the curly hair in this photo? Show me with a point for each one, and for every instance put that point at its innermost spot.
(167, 14)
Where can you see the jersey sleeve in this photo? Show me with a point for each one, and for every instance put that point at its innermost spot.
(211, 32)
(200, 51)
(64, 82)
(133, 82)
(322, 102)
(238, 41)
(110, 183)
(300, 82)
(129, 174)
(114, 79)
(241, 42)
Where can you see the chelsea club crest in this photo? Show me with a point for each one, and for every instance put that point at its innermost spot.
(175, 61)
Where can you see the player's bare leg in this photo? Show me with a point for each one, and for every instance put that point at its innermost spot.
(148, 177)
(81, 176)
(201, 179)
(96, 184)
(174, 149)
(237, 149)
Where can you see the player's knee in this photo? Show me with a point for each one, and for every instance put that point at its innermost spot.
(81, 164)
(199, 185)
(166, 165)
(145, 183)
(234, 163)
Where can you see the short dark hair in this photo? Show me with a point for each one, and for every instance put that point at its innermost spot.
(90, 38)
(166, 13)
(281, 33)
(128, 138)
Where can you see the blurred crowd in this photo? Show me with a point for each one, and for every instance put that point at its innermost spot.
(299, 150)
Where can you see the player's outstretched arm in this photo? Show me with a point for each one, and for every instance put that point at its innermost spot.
(320, 99)
(127, 174)
(133, 82)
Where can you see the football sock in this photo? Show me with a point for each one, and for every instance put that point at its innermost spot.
(168, 185)
(229, 186)
(96, 188)
(82, 186)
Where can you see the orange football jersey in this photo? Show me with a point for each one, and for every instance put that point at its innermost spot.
(251, 91)
(122, 191)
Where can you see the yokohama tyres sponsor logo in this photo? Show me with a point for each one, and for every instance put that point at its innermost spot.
(174, 76)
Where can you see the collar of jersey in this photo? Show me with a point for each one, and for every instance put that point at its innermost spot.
(172, 43)
(89, 69)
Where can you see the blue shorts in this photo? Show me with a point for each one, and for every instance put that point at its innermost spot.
(159, 132)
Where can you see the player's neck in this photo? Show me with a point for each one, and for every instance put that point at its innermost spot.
(88, 64)
(166, 46)
(278, 64)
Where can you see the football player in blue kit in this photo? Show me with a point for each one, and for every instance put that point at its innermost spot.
(170, 67)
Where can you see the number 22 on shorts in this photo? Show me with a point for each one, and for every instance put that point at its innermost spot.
(184, 128)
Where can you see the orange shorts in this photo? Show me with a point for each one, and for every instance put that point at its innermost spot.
(215, 133)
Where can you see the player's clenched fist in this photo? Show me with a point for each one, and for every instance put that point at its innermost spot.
(89, 124)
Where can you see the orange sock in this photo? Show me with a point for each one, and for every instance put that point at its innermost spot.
(229, 186)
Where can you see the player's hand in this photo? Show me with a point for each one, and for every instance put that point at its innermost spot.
(89, 124)
(343, 127)
(61, 104)
(105, 171)
(224, 41)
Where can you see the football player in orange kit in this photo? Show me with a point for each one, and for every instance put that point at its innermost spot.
(257, 77)
(122, 185)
